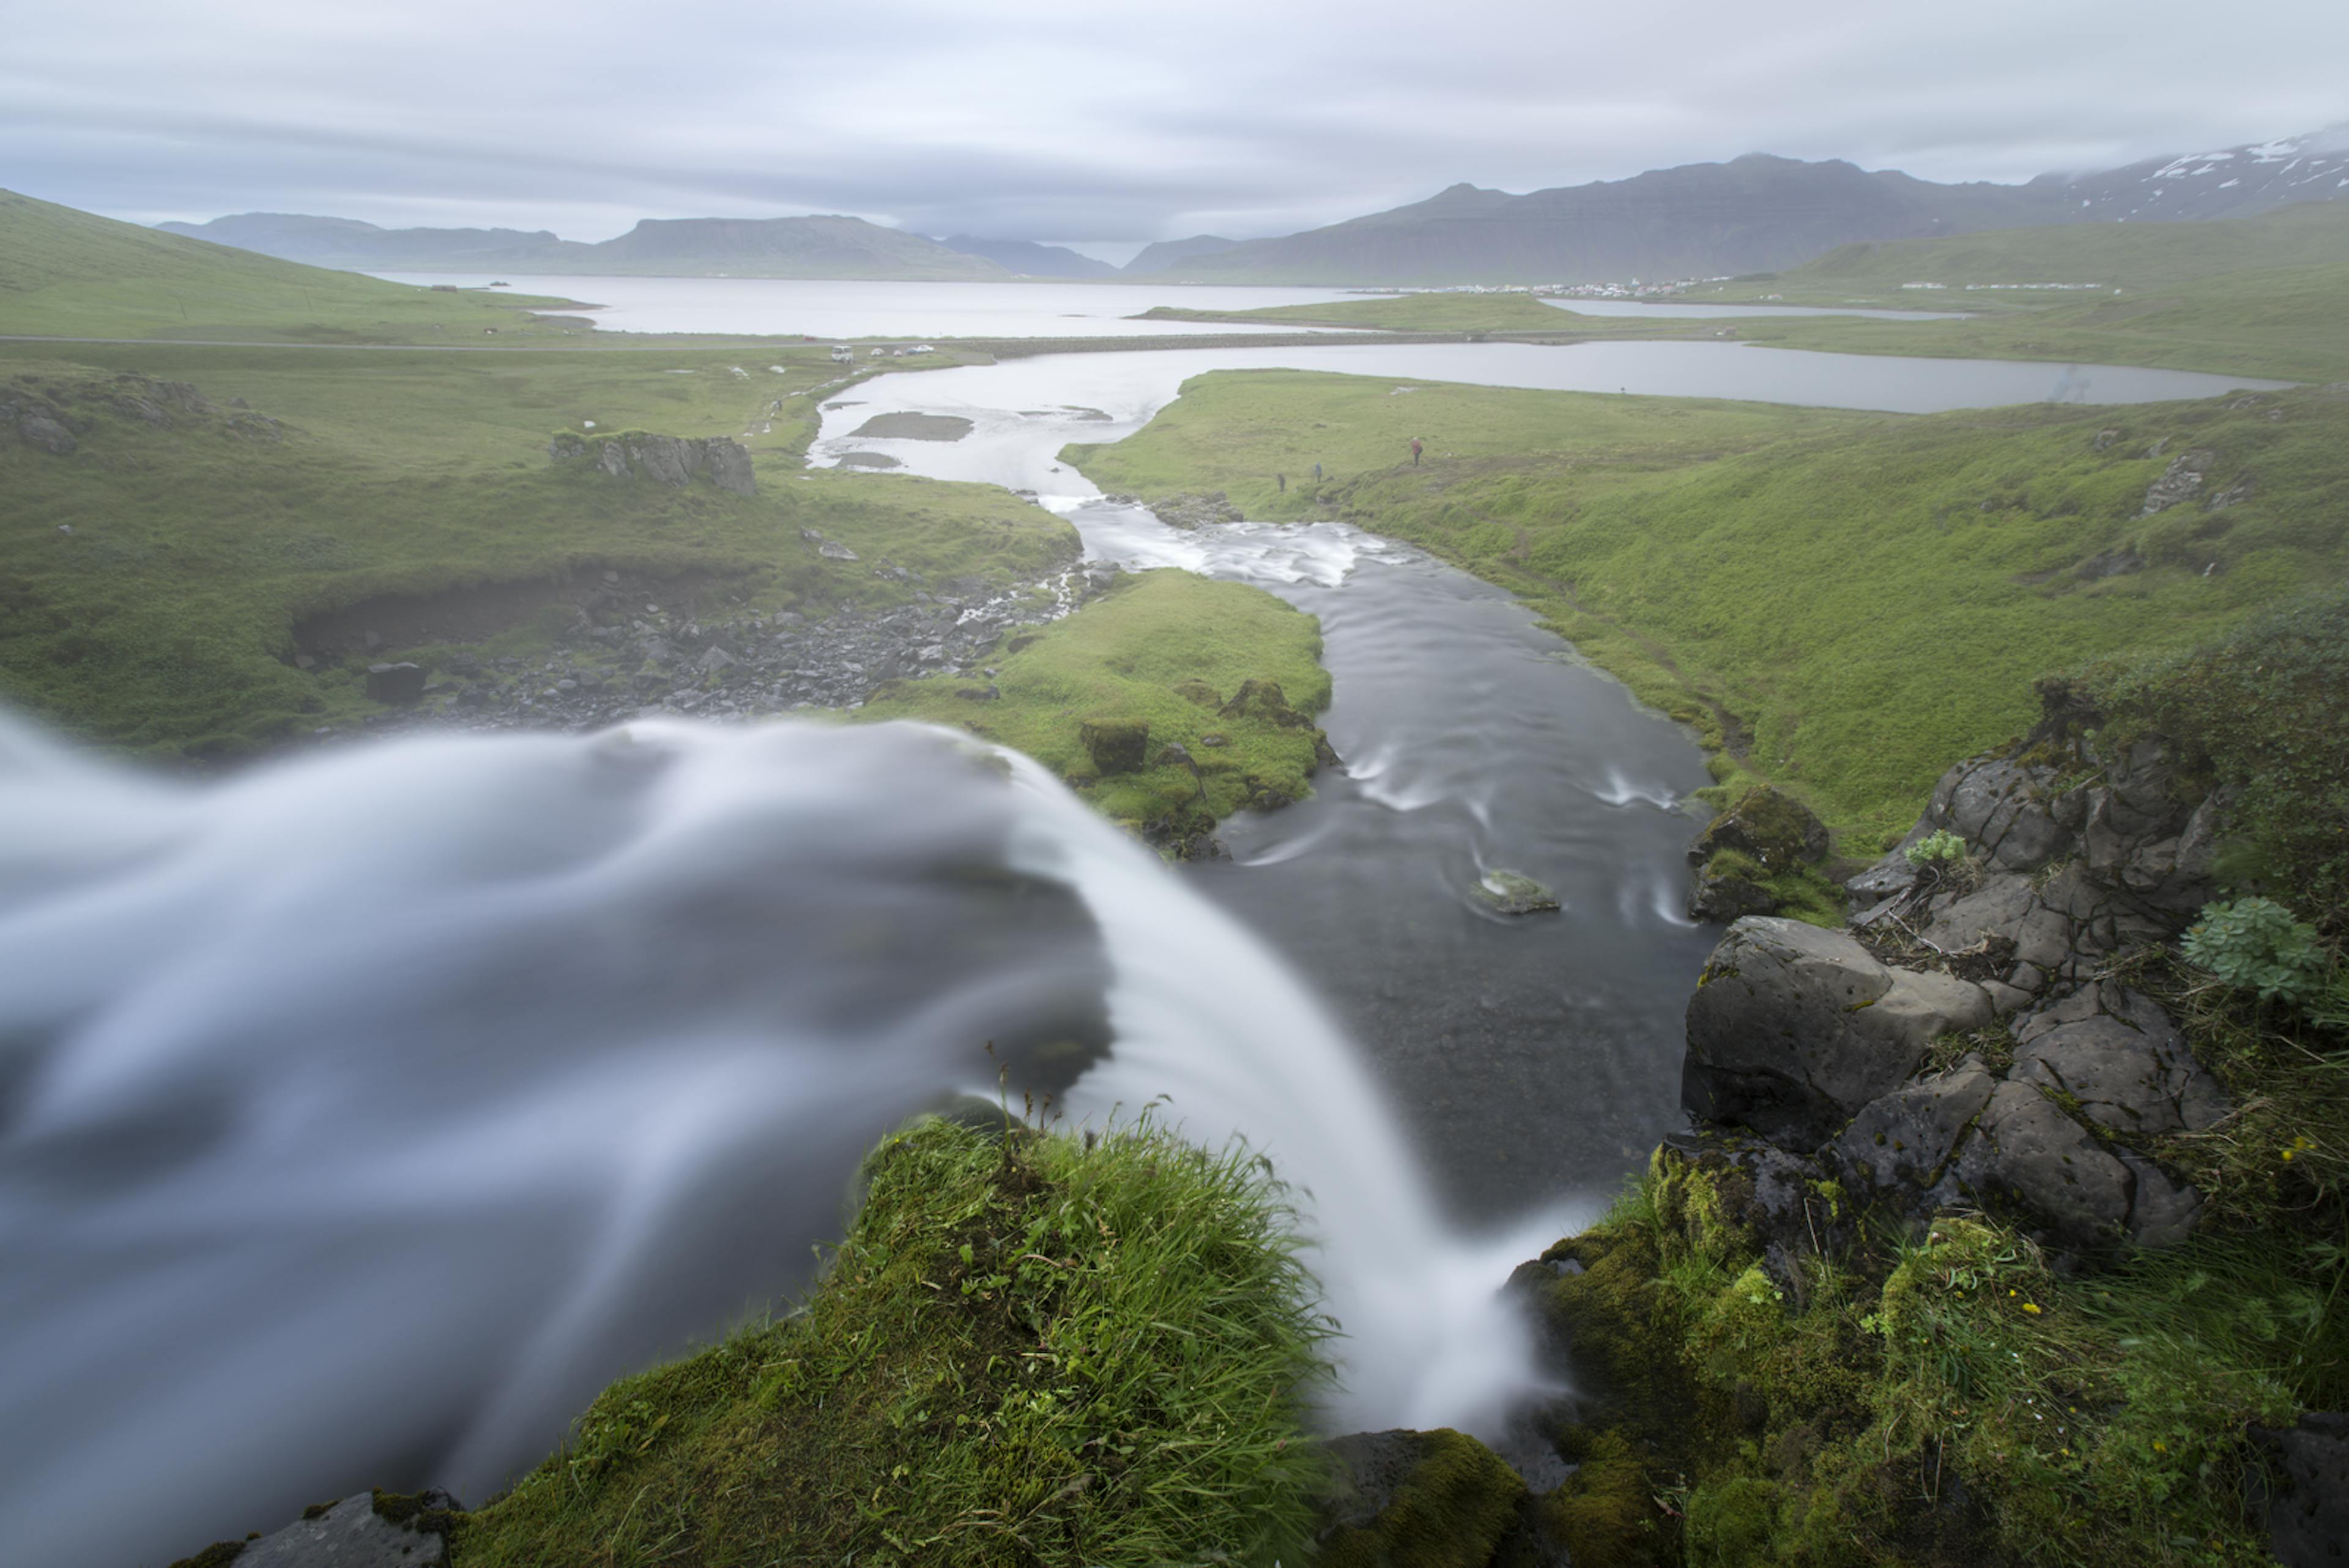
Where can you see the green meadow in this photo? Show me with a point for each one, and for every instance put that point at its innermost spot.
(1843, 603)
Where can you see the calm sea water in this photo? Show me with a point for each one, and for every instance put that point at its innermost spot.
(840, 308)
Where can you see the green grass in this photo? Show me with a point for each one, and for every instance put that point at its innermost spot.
(71, 274)
(2261, 297)
(1028, 1350)
(163, 621)
(1166, 648)
(1847, 602)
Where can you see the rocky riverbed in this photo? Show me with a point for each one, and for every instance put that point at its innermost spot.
(634, 646)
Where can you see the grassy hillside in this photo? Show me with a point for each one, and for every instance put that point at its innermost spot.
(1847, 601)
(2261, 297)
(71, 274)
(1167, 649)
(2130, 256)
(152, 576)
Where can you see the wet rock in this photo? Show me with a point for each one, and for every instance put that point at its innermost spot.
(1721, 1189)
(1116, 746)
(349, 1534)
(2308, 1516)
(1793, 1029)
(1512, 893)
(395, 683)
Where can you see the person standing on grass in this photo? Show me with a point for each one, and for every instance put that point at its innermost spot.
(1282, 481)
(1415, 452)
(1317, 473)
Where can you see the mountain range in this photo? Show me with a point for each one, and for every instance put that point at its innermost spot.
(1755, 214)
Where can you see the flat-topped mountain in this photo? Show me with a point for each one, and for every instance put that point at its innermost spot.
(812, 247)
(352, 246)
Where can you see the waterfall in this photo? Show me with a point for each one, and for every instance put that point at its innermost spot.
(363, 1114)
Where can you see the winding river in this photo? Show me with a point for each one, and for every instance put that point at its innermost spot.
(1532, 1059)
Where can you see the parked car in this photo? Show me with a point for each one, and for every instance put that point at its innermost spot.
(842, 354)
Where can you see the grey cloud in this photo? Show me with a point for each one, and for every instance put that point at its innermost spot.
(1053, 118)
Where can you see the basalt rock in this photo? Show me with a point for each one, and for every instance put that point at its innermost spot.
(1793, 1029)
(673, 460)
(1265, 701)
(1512, 893)
(395, 683)
(2181, 481)
(2308, 1516)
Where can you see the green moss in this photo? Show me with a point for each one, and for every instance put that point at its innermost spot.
(1606, 1514)
(1732, 1524)
(1027, 1350)
(1130, 653)
(1451, 1510)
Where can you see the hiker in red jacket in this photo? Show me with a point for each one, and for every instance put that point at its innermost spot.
(1415, 452)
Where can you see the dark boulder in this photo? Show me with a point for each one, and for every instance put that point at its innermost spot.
(1773, 829)
(395, 683)
(1264, 701)
(1793, 1029)
(1116, 746)
(2308, 1518)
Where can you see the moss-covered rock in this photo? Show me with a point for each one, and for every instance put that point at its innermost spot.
(1761, 858)
(1420, 1500)
(1198, 694)
(1264, 701)
(1773, 829)
(1116, 745)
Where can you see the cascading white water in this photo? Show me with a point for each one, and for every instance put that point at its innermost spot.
(361, 1116)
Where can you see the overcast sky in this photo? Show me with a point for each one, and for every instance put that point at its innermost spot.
(1093, 123)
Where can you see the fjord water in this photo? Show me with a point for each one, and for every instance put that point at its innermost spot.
(363, 1115)
(822, 308)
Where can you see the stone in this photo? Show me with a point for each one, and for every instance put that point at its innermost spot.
(2128, 1070)
(1262, 699)
(349, 1534)
(1775, 829)
(2308, 1520)
(1900, 1144)
(1116, 746)
(1512, 893)
(1883, 882)
(2181, 481)
(1994, 908)
(395, 683)
(1793, 1029)
(48, 435)
(1403, 1497)
(1719, 898)
(2031, 1156)
(832, 550)
(729, 465)
(715, 659)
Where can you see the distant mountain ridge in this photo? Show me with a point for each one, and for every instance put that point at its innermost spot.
(1029, 259)
(1755, 214)
(811, 247)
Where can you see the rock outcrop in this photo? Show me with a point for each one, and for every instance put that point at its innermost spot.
(56, 414)
(1823, 1048)
(673, 460)
(1746, 856)
(1793, 1029)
